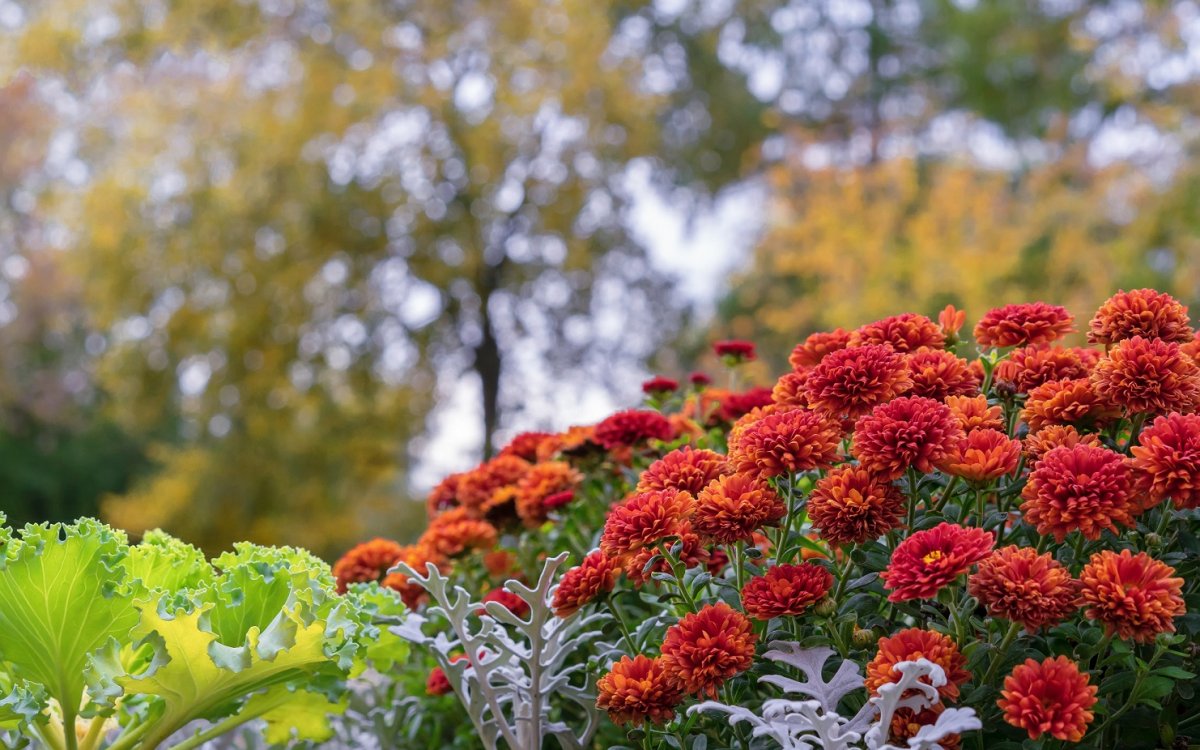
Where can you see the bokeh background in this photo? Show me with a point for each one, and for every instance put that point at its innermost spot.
(269, 268)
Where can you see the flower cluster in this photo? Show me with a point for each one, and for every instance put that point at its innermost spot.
(1019, 510)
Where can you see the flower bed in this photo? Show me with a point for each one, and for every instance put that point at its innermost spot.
(996, 539)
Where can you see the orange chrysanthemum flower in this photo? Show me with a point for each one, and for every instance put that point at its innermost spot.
(1192, 348)
(1078, 488)
(686, 469)
(584, 583)
(813, 349)
(477, 487)
(913, 644)
(1018, 584)
(526, 445)
(1024, 324)
(706, 648)
(574, 440)
(366, 562)
(690, 551)
(1134, 596)
(907, 432)
(849, 505)
(789, 390)
(1038, 444)
(786, 441)
(982, 456)
(644, 519)
(1140, 312)
(1166, 460)
(1030, 366)
(951, 320)
(906, 723)
(785, 590)
(850, 382)
(541, 482)
(1051, 697)
(632, 427)
(928, 560)
(906, 332)
(733, 506)
(1065, 402)
(455, 532)
(937, 374)
(1148, 376)
(638, 690)
(973, 413)
(416, 556)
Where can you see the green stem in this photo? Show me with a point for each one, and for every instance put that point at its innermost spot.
(739, 565)
(1013, 629)
(620, 618)
(843, 574)
(49, 735)
(949, 489)
(94, 734)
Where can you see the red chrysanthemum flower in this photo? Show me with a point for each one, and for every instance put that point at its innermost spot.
(906, 332)
(973, 413)
(937, 374)
(785, 590)
(786, 441)
(686, 469)
(1140, 312)
(908, 432)
(849, 505)
(1019, 584)
(736, 350)
(558, 499)
(1065, 402)
(478, 487)
(437, 683)
(706, 648)
(366, 562)
(1135, 596)
(928, 560)
(699, 379)
(584, 583)
(1148, 376)
(912, 644)
(508, 600)
(632, 427)
(1166, 460)
(789, 390)
(850, 382)
(951, 320)
(1024, 324)
(1030, 366)
(644, 519)
(1078, 488)
(638, 690)
(982, 456)
(1051, 697)
(733, 506)
(660, 384)
(539, 484)
(443, 496)
(526, 445)
(906, 724)
(813, 349)
(1038, 444)
(734, 406)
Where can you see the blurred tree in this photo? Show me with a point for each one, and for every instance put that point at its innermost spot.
(847, 246)
(58, 453)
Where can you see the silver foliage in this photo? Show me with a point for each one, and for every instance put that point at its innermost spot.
(515, 669)
(814, 724)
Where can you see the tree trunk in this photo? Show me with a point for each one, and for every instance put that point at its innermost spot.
(488, 363)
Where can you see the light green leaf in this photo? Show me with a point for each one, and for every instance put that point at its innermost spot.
(294, 715)
(61, 599)
(160, 562)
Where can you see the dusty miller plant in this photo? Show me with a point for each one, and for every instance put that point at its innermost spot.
(513, 672)
(814, 723)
